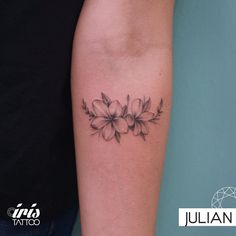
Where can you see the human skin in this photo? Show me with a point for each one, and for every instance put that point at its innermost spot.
(121, 47)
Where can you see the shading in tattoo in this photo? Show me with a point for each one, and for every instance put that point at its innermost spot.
(109, 119)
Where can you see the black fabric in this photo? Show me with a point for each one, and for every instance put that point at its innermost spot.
(37, 160)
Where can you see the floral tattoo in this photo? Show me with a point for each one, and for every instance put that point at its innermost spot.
(109, 119)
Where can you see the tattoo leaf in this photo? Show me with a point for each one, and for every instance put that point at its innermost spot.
(158, 112)
(117, 136)
(147, 105)
(86, 110)
(124, 110)
(128, 99)
(106, 99)
(159, 109)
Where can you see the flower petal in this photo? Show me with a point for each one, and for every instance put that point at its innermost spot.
(115, 108)
(108, 132)
(120, 125)
(146, 116)
(99, 122)
(130, 120)
(100, 108)
(137, 128)
(136, 107)
(144, 127)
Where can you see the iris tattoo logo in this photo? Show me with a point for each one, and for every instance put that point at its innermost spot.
(24, 216)
(110, 119)
(215, 216)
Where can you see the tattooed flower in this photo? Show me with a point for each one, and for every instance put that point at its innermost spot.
(108, 119)
(139, 117)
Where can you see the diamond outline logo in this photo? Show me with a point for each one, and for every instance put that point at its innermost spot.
(221, 194)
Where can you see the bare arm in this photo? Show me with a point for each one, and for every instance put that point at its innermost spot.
(122, 56)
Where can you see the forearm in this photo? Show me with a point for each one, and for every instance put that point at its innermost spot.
(121, 50)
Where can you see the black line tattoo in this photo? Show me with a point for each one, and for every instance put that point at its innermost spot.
(109, 119)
